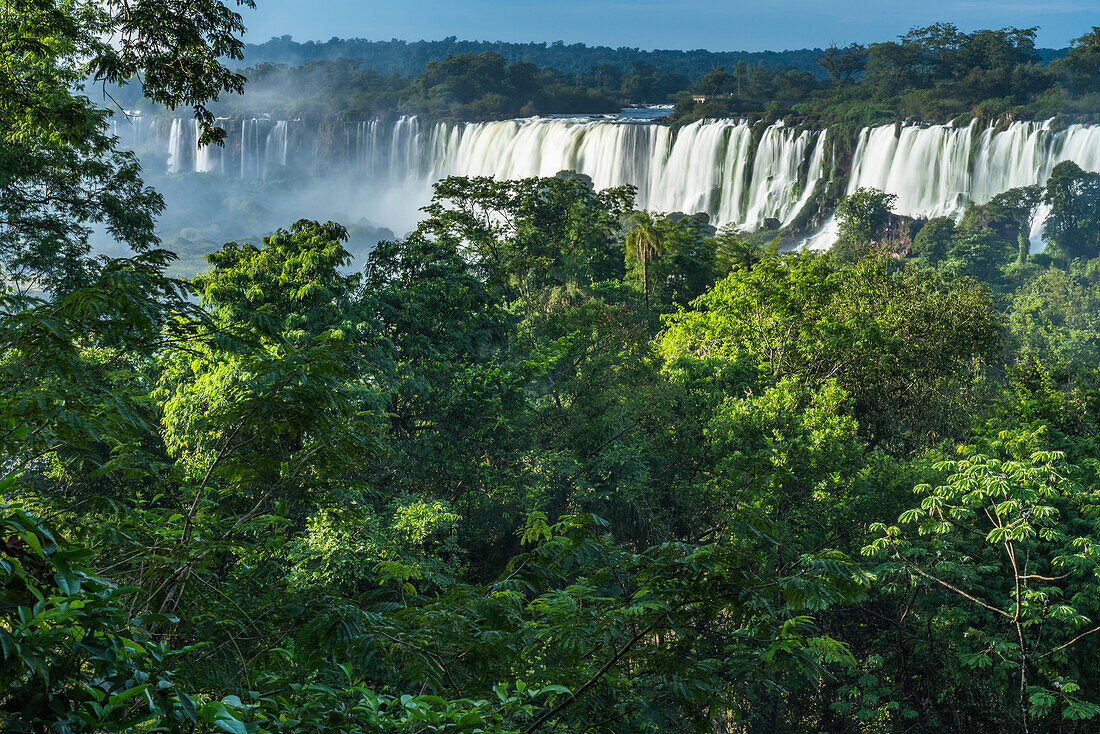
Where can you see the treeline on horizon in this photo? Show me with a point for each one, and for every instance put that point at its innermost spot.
(409, 58)
(934, 74)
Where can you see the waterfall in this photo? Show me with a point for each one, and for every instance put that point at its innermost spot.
(690, 179)
(938, 170)
(254, 147)
(132, 129)
(611, 155)
(776, 181)
(184, 152)
(366, 147)
(814, 173)
(276, 145)
(261, 145)
(244, 148)
(933, 171)
(711, 166)
(209, 158)
(177, 148)
(927, 168)
(703, 167)
(405, 149)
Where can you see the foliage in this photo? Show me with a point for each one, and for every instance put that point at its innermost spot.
(979, 253)
(1073, 227)
(409, 57)
(675, 254)
(59, 172)
(70, 658)
(547, 463)
(992, 536)
(867, 326)
(933, 241)
(1053, 318)
(862, 217)
(933, 73)
(533, 234)
(643, 246)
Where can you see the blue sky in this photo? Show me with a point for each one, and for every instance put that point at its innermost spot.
(712, 24)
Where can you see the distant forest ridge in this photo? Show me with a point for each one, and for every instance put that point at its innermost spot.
(410, 57)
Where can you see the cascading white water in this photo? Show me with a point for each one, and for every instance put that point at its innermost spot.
(247, 126)
(933, 173)
(927, 168)
(367, 150)
(776, 180)
(132, 129)
(689, 177)
(276, 146)
(208, 158)
(254, 147)
(177, 148)
(611, 155)
(815, 174)
(710, 166)
(405, 149)
(261, 145)
(705, 166)
(939, 169)
(186, 155)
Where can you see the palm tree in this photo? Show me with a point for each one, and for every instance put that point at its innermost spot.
(644, 243)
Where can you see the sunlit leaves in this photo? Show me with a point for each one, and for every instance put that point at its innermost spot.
(894, 339)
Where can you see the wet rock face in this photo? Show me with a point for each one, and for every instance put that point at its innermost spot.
(332, 145)
(899, 234)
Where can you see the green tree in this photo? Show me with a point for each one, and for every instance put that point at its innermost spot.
(1018, 206)
(1080, 69)
(892, 68)
(862, 217)
(716, 81)
(644, 246)
(672, 257)
(596, 617)
(732, 250)
(534, 236)
(1073, 227)
(843, 63)
(980, 253)
(1024, 615)
(895, 338)
(1010, 215)
(248, 409)
(939, 46)
(933, 241)
(1055, 319)
(71, 659)
(60, 174)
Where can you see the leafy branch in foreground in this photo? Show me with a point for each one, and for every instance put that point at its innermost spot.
(994, 536)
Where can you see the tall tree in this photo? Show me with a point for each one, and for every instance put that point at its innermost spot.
(1073, 227)
(644, 246)
(60, 174)
(863, 217)
(843, 63)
